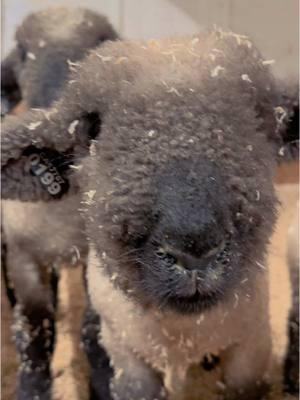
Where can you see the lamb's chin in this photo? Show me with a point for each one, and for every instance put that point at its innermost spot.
(194, 304)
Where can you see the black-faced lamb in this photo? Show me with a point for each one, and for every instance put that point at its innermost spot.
(48, 42)
(38, 237)
(291, 367)
(179, 206)
(290, 151)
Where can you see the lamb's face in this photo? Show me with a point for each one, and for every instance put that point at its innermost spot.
(194, 245)
(47, 43)
(192, 229)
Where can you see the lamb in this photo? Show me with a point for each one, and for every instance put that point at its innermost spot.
(176, 181)
(290, 151)
(40, 236)
(49, 42)
(290, 101)
(291, 367)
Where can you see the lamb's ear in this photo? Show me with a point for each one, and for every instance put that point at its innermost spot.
(10, 90)
(40, 152)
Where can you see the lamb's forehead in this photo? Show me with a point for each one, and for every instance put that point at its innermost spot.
(62, 23)
(206, 86)
(207, 65)
(57, 23)
(167, 61)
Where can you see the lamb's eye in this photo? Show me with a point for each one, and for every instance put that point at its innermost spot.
(160, 252)
(166, 257)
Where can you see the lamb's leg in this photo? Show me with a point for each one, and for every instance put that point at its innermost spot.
(133, 379)
(34, 327)
(291, 366)
(7, 283)
(246, 368)
(129, 378)
(100, 369)
(34, 337)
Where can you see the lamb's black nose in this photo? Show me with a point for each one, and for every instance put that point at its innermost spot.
(185, 261)
(193, 205)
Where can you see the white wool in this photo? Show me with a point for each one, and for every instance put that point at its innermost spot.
(268, 62)
(73, 126)
(260, 265)
(33, 125)
(245, 77)
(76, 167)
(215, 72)
(92, 149)
(174, 90)
(31, 56)
(42, 43)
(89, 197)
(104, 58)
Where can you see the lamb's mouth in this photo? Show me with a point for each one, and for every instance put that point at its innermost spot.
(198, 302)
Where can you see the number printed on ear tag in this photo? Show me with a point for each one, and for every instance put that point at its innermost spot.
(48, 174)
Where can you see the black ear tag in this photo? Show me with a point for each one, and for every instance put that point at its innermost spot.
(50, 168)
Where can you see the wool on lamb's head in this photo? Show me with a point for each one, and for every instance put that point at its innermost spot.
(177, 183)
(47, 44)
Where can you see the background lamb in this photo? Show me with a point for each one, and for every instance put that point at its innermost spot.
(292, 360)
(289, 151)
(39, 236)
(179, 206)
